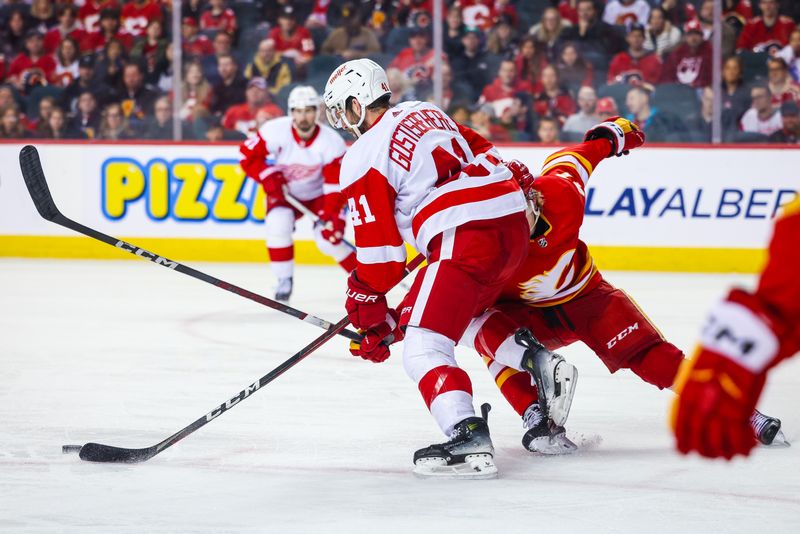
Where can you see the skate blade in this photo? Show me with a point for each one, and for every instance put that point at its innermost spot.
(780, 442)
(476, 467)
(552, 445)
(567, 376)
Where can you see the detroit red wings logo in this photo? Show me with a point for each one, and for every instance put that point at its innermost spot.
(295, 172)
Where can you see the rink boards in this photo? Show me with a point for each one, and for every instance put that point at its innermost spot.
(669, 208)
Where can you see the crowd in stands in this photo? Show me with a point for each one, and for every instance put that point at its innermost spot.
(514, 70)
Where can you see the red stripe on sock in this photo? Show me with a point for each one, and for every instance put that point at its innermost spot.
(281, 254)
(441, 380)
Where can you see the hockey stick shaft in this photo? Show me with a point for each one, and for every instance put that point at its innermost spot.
(43, 200)
(302, 208)
(97, 452)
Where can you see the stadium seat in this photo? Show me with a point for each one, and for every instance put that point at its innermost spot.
(37, 94)
(381, 59)
(618, 92)
(396, 40)
(322, 65)
(677, 98)
(248, 14)
(283, 96)
(754, 65)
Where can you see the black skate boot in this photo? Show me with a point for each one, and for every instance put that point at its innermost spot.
(284, 289)
(468, 454)
(544, 436)
(555, 378)
(767, 429)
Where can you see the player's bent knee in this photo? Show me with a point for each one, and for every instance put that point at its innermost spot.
(424, 350)
(658, 365)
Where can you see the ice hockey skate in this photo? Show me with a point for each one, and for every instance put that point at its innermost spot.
(284, 289)
(468, 454)
(768, 430)
(543, 436)
(555, 378)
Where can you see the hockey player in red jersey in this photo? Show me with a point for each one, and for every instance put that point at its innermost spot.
(296, 155)
(746, 334)
(414, 175)
(560, 296)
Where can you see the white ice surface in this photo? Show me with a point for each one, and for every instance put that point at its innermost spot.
(126, 353)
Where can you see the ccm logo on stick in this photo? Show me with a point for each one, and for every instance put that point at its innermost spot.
(147, 255)
(227, 405)
(361, 297)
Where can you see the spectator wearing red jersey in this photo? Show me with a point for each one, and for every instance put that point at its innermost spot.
(530, 61)
(218, 17)
(636, 64)
(268, 64)
(568, 9)
(319, 14)
(416, 61)
(661, 36)
(242, 117)
(575, 72)
(690, 63)
(137, 13)
(626, 12)
(195, 44)
(553, 100)
(66, 62)
(109, 29)
(32, 63)
(292, 40)
(548, 31)
(767, 32)
(504, 88)
(68, 26)
(89, 13)
(781, 84)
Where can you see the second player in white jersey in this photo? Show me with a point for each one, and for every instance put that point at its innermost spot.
(295, 157)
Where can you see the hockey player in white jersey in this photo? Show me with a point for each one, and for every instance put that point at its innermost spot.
(297, 156)
(414, 175)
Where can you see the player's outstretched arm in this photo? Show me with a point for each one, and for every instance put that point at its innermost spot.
(745, 335)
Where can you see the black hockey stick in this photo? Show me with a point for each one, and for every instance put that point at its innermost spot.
(97, 452)
(40, 194)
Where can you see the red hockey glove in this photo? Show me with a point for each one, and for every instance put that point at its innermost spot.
(374, 346)
(366, 307)
(273, 183)
(718, 389)
(521, 174)
(623, 135)
(332, 226)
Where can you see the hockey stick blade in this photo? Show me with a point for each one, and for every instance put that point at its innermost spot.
(97, 452)
(33, 174)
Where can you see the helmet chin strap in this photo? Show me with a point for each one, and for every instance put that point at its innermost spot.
(355, 128)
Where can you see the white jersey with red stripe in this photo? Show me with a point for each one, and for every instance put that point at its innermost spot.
(311, 167)
(414, 174)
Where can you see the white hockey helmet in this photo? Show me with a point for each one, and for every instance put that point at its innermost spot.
(362, 79)
(303, 96)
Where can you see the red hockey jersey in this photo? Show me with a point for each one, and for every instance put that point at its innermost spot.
(624, 68)
(559, 266)
(757, 37)
(135, 18)
(688, 67)
(300, 43)
(89, 13)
